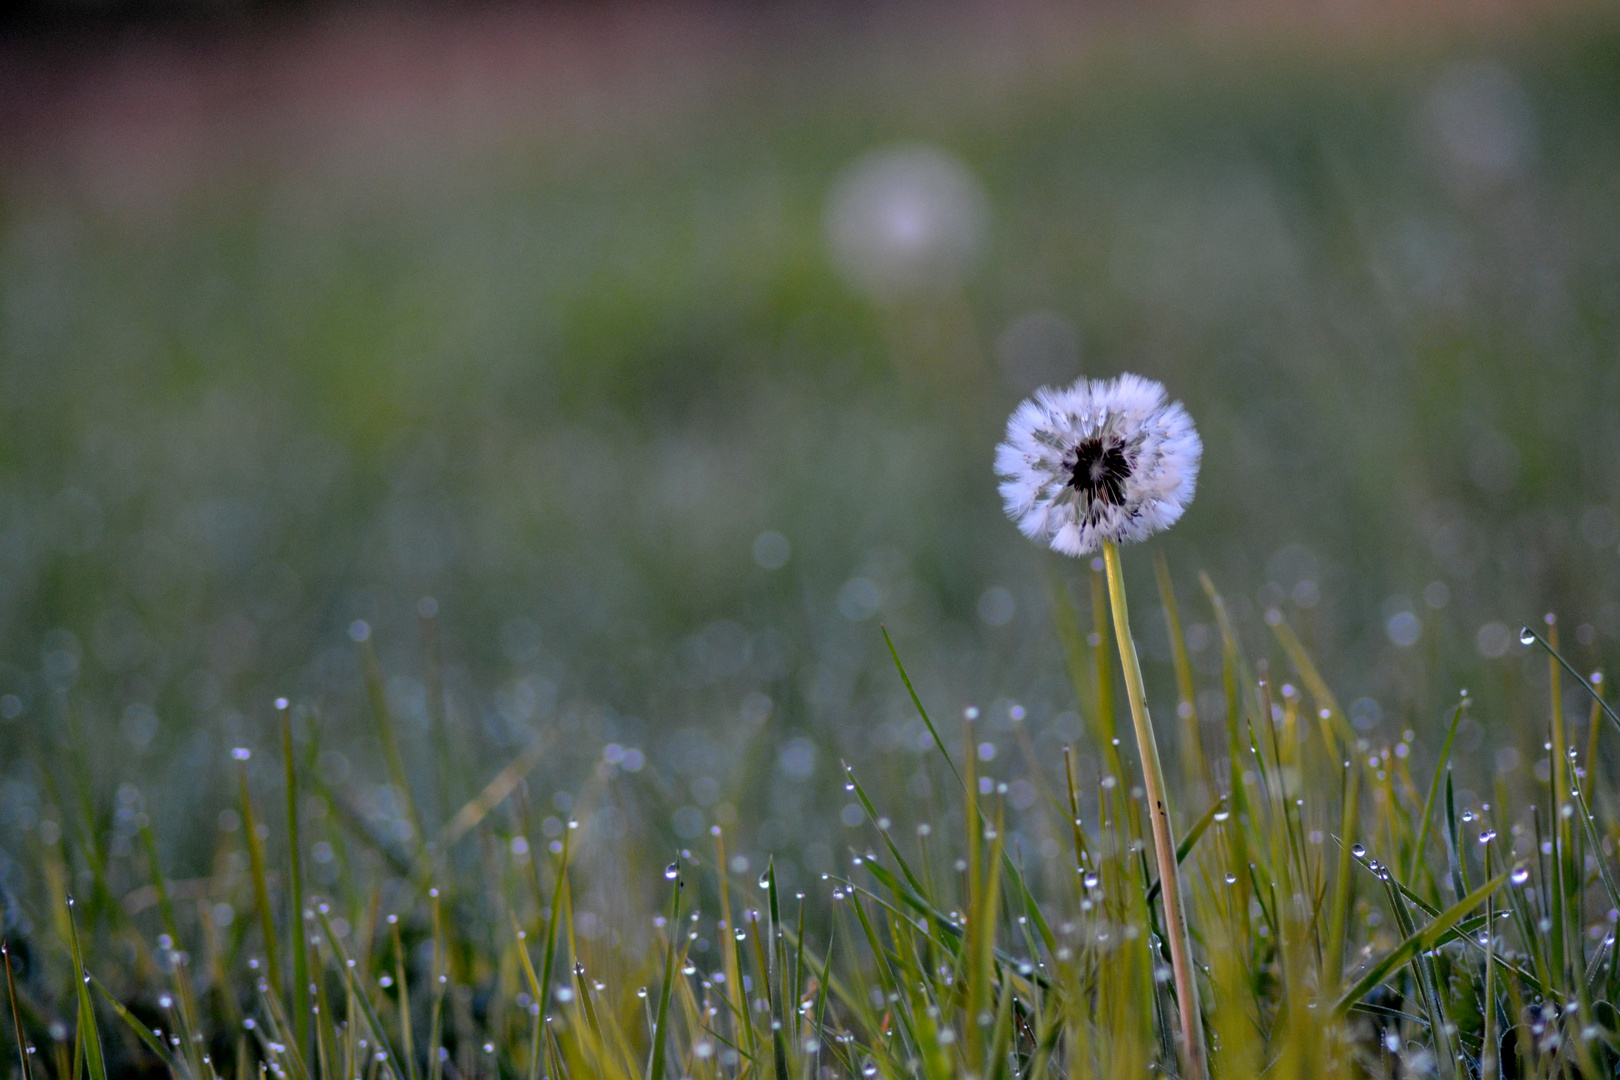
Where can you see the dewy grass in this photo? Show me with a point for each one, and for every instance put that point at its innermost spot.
(940, 950)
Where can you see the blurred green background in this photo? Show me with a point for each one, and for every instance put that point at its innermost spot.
(673, 372)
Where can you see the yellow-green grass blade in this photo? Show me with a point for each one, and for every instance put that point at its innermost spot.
(535, 991)
(1190, 841)
(1426, 938)
(261, 886)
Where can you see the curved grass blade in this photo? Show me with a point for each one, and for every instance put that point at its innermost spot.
(144, 1034)
(1422, 940)
(1590, 689)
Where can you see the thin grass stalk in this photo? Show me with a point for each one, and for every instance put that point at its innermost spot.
(295, 889)
(660, 1033)
(1164, 844)
(89, 1039)
(16, 1015)
(405, 1045)
(435, 1032)
(1490, 1065)
(261, 887)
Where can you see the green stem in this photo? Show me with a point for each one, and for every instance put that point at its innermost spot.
(1164, 844)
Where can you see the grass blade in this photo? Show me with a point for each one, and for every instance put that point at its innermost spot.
(660, 1033)
(1434, 791)
(89, 1039)
(1426, 938)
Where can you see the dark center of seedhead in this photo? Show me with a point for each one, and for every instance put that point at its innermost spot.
(1100, 471)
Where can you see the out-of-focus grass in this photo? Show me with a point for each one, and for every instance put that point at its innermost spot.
(565, 389)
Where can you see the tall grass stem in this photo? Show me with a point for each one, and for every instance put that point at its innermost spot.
(1164, 844)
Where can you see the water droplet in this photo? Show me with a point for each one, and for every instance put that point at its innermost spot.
(672, 871)
(1527, 636)
(1231, 879)
(1520, 876)
(1357, 850)
(1222, 815)
(765, 880)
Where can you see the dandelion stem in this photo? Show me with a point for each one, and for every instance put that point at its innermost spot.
(1164, 845)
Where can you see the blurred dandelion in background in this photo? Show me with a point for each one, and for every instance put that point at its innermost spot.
(904, 222)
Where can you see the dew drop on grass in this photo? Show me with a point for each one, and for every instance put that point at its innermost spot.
(1520, 876)
(1220, 815)
(1231, 879)
(1527, 636)
(765, 880)
(672, 871)
(1357, 850)
(1487, 836)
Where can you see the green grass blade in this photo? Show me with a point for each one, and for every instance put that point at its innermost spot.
(1608, 710)
(89, 1037)
(295, 889)
(141, 1031)
(261, 886)
(27, 1072)
(1426, 938)
(351, 976)
(916, 701)
(1434, 791)
(660, 1032)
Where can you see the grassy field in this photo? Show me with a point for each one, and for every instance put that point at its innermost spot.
(567, 480)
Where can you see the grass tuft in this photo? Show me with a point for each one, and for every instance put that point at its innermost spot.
(1336, 926)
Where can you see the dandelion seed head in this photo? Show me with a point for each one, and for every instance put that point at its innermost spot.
(1096, 461)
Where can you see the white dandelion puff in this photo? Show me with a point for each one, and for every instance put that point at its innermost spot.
(1097, 461)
